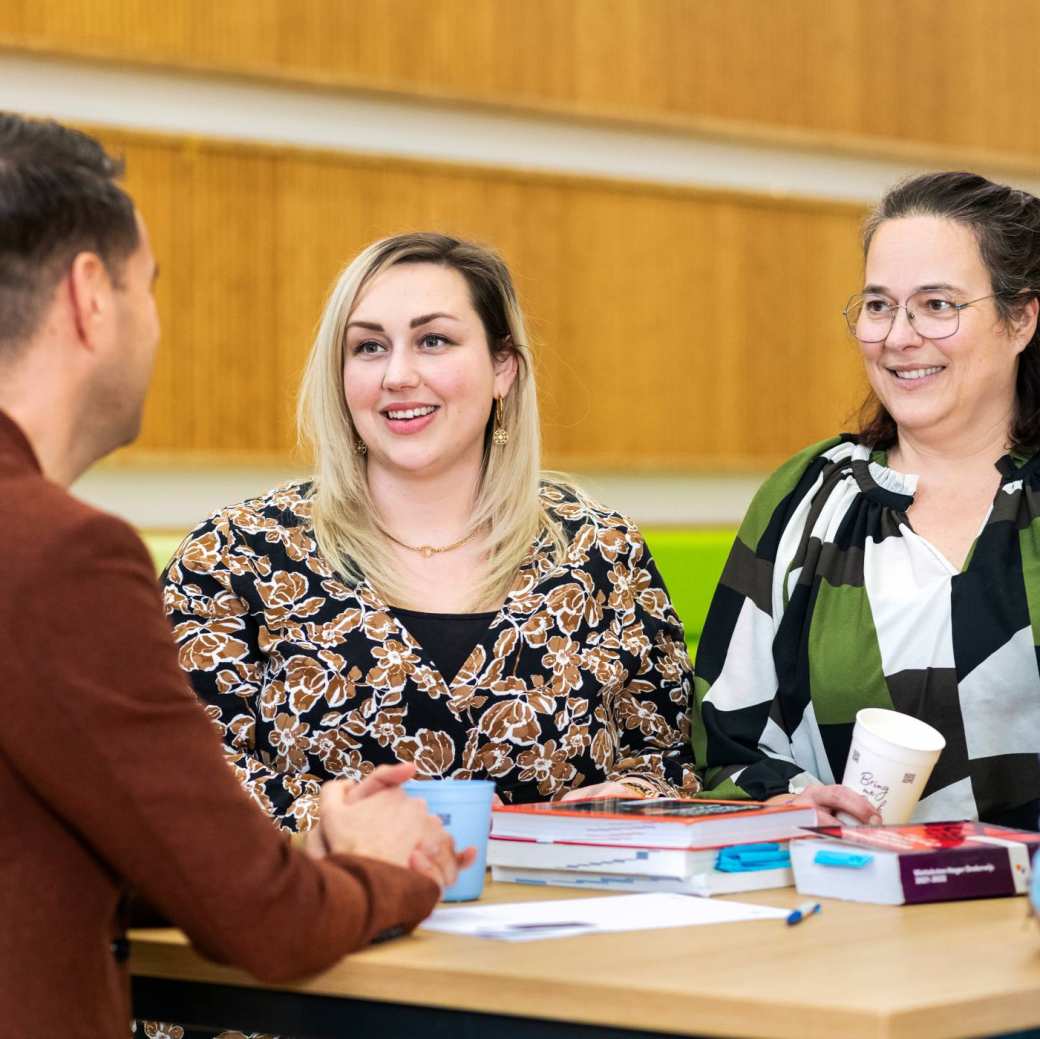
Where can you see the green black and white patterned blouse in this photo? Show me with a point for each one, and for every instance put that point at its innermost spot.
(831, 602)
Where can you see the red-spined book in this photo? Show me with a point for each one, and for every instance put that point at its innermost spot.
(918, 862)
(653, 823)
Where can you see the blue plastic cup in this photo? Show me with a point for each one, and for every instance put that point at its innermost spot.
(1034, 885)
(464, 807)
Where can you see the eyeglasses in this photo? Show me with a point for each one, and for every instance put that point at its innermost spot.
(932, 315)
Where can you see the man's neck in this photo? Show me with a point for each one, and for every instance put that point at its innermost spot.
(47, 412)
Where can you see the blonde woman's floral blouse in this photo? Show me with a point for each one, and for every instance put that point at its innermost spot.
(581, 677)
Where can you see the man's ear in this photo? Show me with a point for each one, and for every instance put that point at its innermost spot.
(90, 295)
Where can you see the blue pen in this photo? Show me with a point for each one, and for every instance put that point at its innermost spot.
(806, 909)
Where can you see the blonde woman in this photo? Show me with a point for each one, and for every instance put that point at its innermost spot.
(429, 596)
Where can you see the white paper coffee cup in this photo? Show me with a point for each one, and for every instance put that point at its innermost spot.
(890, 759)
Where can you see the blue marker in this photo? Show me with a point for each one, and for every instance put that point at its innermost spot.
(744, 858)
(806, 909)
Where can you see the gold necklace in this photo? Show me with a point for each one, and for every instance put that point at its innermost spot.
(431, 550)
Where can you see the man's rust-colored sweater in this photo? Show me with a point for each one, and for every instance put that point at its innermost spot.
(112, 779)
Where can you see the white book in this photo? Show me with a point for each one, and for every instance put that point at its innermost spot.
(712, 882)
(915, 862)
(525, 853)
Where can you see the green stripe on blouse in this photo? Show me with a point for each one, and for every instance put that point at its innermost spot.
(844, 657)
(781, 484)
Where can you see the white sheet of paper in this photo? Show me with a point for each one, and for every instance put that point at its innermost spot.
(566, 918)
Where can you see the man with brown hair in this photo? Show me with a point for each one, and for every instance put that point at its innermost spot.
(111, 776)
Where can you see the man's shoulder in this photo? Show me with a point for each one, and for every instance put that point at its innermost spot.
(47, 528)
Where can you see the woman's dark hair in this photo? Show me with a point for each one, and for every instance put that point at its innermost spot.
(58, 197)
(1006, 224)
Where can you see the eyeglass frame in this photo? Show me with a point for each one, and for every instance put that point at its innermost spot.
(958, 307)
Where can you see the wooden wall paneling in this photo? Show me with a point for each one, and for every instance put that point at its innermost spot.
(542, 278)
(620, 54)
(383, 38)
(316, 214)
(976, 86)
(596, 300)
(248, 32)
(660, 317)
(755, 347)
(956, 75)
(792, 330)
(167, 30)
(673, 328)
(157, 175)
(834, 381)
(643, 385)
(661, 313)
(323, 37)
(326, 212)
(535, 50)
(795, 372)
(699, 55)
(716, 324)
(184, 342)
(125, 28)
(233, 384)
(151, 178)
(788, 64)
(766, 264)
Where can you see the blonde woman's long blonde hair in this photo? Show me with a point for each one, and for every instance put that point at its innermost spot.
(507, 505)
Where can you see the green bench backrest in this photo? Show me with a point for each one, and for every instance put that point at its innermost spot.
(162, 547)
(691, 563)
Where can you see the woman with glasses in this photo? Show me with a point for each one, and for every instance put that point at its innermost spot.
(900, 567)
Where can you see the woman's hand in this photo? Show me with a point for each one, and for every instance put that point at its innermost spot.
(829, 800)
(585, 793)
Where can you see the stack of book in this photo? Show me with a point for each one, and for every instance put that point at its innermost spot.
(693, 847)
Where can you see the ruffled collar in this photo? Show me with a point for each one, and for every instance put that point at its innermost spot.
(897, 490)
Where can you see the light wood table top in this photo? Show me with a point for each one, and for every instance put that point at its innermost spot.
(878, 972)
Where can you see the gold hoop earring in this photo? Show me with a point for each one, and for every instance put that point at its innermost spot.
(501, 435)
(361, 447)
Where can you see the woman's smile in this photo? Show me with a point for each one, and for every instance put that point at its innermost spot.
(407, 418)
(913, 378)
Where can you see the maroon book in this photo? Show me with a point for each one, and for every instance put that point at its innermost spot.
(918, 862)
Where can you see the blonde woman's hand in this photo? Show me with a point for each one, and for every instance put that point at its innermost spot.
(597, 790)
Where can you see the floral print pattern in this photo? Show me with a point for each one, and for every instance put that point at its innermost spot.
(582, 676)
